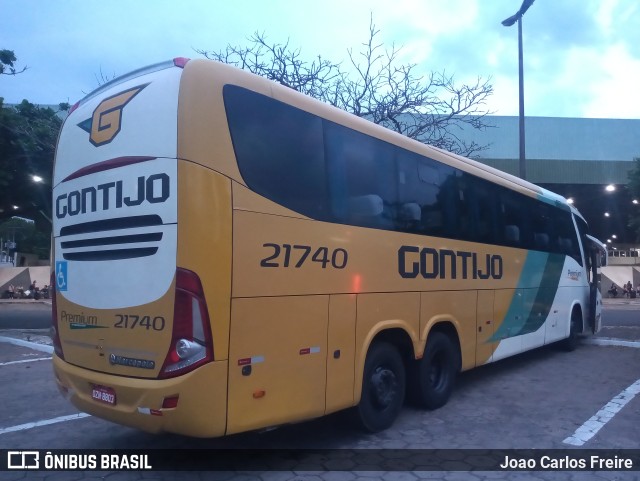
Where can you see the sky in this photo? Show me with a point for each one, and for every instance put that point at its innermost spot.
(581, 57)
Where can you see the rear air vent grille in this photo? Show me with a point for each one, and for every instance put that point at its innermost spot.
(112, 239)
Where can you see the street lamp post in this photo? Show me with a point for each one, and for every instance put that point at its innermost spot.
(507, 23)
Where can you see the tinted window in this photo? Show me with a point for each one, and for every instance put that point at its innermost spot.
(362, 178)
(279, 150)
(567, 241)
(483, 209)
(422, 208)
(330, 172)
(511, 232)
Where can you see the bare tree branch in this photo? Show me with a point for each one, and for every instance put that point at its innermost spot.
(432, 109)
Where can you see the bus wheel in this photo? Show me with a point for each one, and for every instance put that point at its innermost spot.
(434, 375)
(383, 387)
(571, 342)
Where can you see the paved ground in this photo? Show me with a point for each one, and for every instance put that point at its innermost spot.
(538, 400)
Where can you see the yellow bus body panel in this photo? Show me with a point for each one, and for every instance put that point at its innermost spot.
(457, 308)
(204, 242)
(277, 360)
(201, 410)
(341, 352)
(90, 343)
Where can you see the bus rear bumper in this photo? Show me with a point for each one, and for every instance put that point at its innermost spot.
(201, 409)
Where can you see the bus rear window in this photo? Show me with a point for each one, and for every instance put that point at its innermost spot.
(279, 150)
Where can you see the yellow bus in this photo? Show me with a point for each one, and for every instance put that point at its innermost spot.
(232, 255)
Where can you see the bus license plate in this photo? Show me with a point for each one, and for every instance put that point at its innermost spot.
(104, 394)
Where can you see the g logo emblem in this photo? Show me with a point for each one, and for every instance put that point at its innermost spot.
(106, 121)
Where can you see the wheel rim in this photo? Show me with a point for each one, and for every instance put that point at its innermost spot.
(384, 387)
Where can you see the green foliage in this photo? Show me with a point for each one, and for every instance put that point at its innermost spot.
(28, 135)
(634, 189)
(7, 63)
(27, 236)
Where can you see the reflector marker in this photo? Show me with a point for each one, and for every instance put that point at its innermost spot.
(152, 412)
(250, 360)
(309, 350)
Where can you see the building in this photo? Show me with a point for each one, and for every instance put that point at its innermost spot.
(586, 160)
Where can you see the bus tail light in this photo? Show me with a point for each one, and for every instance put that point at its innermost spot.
(191, 343)
(54, 332)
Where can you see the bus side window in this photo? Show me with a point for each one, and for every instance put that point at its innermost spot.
(279, 150)
(449, 198)
(567, 239)
(511, 234)
(582, 232)
(543, 225)
(483, 208)
(418, 188)
(362, 178)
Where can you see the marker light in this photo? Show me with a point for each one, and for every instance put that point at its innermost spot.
(74, 107)
(180, 61)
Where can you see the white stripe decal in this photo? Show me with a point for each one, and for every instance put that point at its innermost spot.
(44, 422)
(25, 360)
(590, 428)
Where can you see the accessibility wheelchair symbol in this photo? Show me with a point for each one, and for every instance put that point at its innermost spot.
(61, 275)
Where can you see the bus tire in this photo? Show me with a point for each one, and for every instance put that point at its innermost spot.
(571, 343)
(434, 375)
(383, 387)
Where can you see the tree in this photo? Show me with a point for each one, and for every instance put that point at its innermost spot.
(7, 61)
(28, 136)
(634, 189)
(427, 109)
(27, 237)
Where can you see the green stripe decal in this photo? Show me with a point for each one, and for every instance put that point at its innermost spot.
(538, 285)
(78, 325)
(546, 293)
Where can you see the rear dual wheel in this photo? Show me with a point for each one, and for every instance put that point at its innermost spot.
(383, 387)
(433, 376)
(384, 380)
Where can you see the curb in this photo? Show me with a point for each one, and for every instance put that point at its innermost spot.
(31, 345)
(25, 301)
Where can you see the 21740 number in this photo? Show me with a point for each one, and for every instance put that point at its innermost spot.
(287, 255)
(131, 321)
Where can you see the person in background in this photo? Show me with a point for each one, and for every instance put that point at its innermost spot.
(33, 288)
